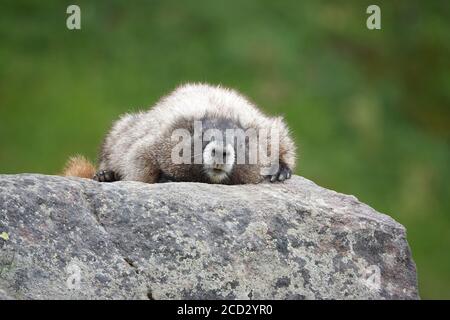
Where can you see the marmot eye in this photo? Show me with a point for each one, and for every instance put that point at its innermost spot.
(213, 152)
(224, 154)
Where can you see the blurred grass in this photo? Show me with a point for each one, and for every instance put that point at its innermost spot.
(369, 110)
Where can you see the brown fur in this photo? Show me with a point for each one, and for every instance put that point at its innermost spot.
(79, 166)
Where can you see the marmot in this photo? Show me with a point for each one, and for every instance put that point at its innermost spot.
(144, 146)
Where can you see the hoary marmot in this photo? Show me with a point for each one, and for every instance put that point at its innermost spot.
(145, 146)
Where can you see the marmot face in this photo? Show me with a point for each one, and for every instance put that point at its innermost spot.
(219, 155)
(218, 161)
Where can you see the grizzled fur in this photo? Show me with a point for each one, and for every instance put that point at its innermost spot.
(139, 146)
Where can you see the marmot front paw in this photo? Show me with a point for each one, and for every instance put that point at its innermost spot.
(282, 174)
(105, 176)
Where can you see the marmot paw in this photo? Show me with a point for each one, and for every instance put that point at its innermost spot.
(105, 176)
(283, 173)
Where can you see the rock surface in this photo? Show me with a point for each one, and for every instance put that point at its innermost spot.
(69, 238)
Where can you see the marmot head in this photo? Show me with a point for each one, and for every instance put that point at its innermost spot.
(205, 153)
(218, 161)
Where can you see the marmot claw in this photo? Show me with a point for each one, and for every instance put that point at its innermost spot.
(283, 173)
(105, 176)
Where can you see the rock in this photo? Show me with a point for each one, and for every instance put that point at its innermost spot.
(69, 238)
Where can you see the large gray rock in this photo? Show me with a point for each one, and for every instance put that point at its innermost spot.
(68, 238)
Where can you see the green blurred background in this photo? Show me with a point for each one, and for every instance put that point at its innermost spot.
(369, 110)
